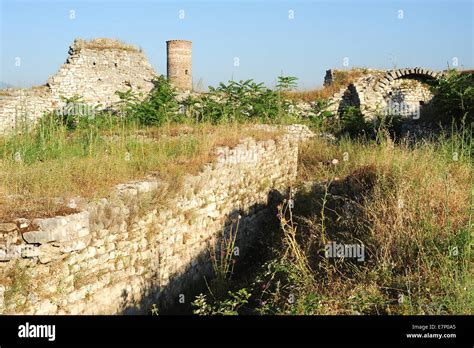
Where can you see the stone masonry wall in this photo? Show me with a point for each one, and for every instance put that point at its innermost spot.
(122, 253)
(94, 70)
(380, 91)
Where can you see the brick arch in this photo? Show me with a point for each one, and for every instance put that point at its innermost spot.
(383, 83)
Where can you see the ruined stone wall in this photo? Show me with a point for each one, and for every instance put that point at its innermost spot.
(382, 92)
(124, 252)
(406, 97)
(22, 107)
(94, 70)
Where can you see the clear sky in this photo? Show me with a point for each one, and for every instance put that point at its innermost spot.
(297, 38)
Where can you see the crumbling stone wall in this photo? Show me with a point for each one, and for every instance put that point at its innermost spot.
(381, 92)
(94, 70)
(22, 107)
(129, 250)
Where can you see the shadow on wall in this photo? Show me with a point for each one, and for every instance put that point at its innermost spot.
(349, 98)
(411, 91)
(176, 297)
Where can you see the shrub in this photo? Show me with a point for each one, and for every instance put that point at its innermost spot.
(241, 101)
(76, 113)
(320, 115)
(286, 83)
(159, 106)
(453, 98)
(353, 122)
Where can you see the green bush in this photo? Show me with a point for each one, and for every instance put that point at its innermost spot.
(235, 101)
(453, 98)
(353, 122)
(77, 114)
(320, 116)
(241, 101)
(159, 106)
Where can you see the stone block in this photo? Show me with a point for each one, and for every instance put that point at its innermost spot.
(59, 229)
(75, 244)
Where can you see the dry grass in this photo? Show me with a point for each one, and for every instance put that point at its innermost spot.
(170, 152)
(35, 90)
(410, 207)
(312, 95)
(342, 78)
(105, 44)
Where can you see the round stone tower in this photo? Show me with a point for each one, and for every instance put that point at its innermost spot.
(179, 64)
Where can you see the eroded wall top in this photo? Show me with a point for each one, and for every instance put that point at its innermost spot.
(94, 70)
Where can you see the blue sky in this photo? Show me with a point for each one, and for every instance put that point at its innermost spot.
(260, 33)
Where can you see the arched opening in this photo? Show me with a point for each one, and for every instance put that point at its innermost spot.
(407, 95)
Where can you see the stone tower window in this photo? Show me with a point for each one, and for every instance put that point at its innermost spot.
(186, 72)
(116, 65)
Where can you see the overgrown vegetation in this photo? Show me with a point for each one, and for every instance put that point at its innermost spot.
(453, 98)
(159, 106)
(66, 156)
(104, 44)
(84, 150)
(242, 101)
(410, 208)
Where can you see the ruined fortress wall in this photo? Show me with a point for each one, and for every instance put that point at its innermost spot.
(409, 93)
(19, 107)
(379, 92)
(123, 253)
(94, 70)
(179, 64)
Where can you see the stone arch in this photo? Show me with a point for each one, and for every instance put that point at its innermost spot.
(384, 82)
(372, 92)
(404, 92)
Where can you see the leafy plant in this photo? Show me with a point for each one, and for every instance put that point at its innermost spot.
(228, 306)
(159, 106)
(320, 115)
(75, 113)
(241, 101)
(286, 83)
(353, 122)
(453, 97)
